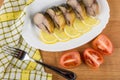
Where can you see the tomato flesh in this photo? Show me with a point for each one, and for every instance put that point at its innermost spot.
(70, 59)
(103, 45)
(93, 58)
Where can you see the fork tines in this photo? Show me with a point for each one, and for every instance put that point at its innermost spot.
(14, 52)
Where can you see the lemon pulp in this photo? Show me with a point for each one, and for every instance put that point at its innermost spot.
(81, 27)
(48, 38)
(60, 35)
(90, 21)
(71, 32)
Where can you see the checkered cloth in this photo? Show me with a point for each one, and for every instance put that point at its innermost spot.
(12, 16)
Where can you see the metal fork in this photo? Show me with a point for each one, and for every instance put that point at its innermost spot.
(22, 55)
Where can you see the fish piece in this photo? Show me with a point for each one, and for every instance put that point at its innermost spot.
(57, 16)
(92, 7)
(44, 22)
(88, 2)
(78, 7)
(68, 13)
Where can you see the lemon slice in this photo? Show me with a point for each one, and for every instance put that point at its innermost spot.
(71, 31)
(91, 21)
(60, 35)
(81, 27)
(48, 38)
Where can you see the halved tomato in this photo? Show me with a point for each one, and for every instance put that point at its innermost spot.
(103, 44)
(92, 57)
(70, 59)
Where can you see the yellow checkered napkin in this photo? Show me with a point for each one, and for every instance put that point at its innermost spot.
(11, 21)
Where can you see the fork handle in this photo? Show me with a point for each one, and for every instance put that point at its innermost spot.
(69, 75)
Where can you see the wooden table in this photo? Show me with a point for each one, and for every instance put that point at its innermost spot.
(110, 69)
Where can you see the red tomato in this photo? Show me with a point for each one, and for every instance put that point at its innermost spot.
(92, 57)
(70, 59)
(103, 45)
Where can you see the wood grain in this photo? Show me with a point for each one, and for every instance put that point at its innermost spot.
(1, 1)
(110, 69)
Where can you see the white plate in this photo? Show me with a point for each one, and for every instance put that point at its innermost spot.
(31, 34)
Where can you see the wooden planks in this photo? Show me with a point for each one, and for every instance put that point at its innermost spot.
(1, 1)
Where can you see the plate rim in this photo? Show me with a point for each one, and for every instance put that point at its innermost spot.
(70, 46)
